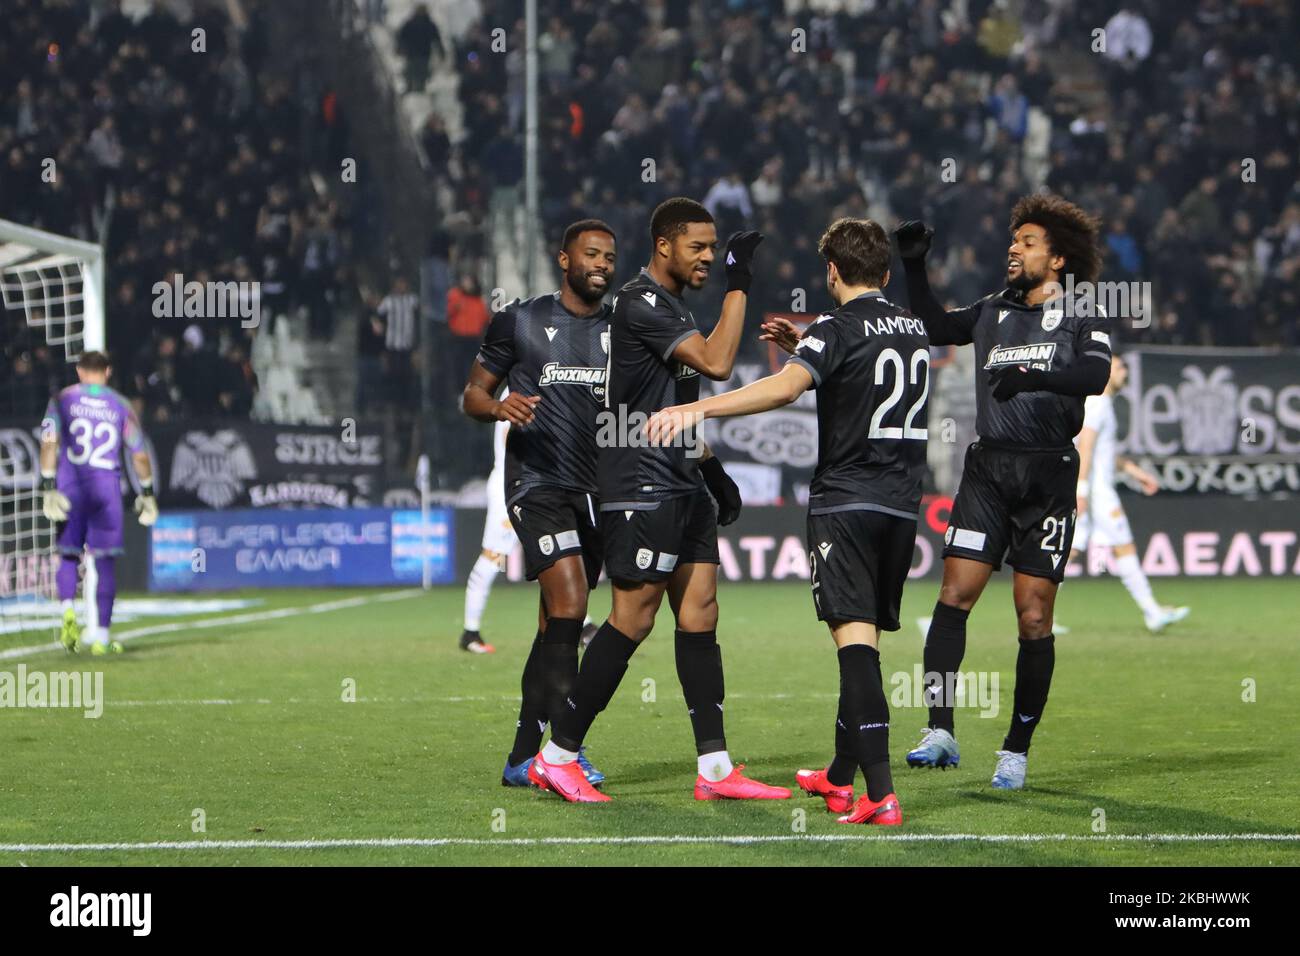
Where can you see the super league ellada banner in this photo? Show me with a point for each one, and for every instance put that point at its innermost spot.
(222, 464)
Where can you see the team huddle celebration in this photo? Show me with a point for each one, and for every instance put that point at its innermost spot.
(646, 504)
(854, 433)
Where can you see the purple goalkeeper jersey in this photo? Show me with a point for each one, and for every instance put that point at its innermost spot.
(93, 424)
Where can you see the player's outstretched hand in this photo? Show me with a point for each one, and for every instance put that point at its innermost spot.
(784, 333)
(913, 237)
(1011, 380)
(725, 491)
(517, 409)
(54, 503)
(740, 253)
(667, 423)
(146, 508)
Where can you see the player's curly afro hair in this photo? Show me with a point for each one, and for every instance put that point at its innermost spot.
(1071, 231)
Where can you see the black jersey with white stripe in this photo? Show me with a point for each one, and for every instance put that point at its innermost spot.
(647, 324)
(1053, 335)
(870, 364)
(541, 348)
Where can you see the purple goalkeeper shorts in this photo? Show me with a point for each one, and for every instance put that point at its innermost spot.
(95, 515)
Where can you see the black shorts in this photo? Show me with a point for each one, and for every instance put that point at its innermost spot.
(1016, 503)
(646, 544)
(554, 523)
(859, 561)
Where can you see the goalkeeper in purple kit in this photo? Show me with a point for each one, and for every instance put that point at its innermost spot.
(86, 426)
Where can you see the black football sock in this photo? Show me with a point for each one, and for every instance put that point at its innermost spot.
(532, 712)
(863, 703)
(699, 668)
(844, 767)
(603, 666)
(945, 646)
(1034, 667)
(560, 660)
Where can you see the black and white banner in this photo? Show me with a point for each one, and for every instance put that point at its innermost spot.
(1214, 421)
(229, 464)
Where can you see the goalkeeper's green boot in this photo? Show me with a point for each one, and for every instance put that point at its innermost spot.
(71, 632)
(100, 648)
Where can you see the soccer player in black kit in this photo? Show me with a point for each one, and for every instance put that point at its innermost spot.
(1039, 354)
(551, 351)
(658, 521)
(869, 361)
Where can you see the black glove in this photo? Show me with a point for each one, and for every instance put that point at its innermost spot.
(740, 251)
(723, 489)
(1011, 380)
(913, 238)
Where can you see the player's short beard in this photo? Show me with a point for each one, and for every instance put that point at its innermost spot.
(582, 287)
(1025, 281)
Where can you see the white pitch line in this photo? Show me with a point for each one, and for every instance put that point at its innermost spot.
(251, 617)
(435, 842)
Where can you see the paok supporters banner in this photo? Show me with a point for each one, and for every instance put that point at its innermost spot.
(1214, 421)
(221, 463)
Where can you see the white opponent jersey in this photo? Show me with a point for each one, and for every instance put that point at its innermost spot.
(1099, 415)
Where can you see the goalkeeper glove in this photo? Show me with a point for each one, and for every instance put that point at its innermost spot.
(913, 237)
(740, 252)
(54, 503)
(146, 505)
(724, 490)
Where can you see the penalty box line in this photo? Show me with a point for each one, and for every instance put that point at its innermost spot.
(749, 840)
(250, 617)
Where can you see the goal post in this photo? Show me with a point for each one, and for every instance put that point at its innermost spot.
(56, 284)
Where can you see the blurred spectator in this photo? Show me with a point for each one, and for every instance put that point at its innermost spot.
(400, 312)
(371, 334)
(416, 40)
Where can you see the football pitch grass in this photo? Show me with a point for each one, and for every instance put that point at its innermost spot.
(243, 725)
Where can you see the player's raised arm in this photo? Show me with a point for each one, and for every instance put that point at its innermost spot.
(955, 327)
(715, 356)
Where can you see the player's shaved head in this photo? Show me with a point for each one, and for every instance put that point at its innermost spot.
(672, 217)
(575, 230)
(859, 249)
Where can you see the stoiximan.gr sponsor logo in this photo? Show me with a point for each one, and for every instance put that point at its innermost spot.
(75, 690)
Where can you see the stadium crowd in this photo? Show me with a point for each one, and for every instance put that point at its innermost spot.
(1193, 177)
(194, 157)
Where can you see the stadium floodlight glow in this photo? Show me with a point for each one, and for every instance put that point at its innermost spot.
(58, 284)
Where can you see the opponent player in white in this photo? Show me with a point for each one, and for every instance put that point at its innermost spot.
(498, 541)
(1101, 516)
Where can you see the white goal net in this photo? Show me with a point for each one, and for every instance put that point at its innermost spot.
(54, 286)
